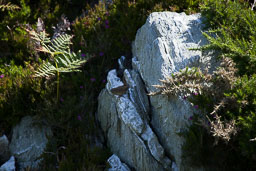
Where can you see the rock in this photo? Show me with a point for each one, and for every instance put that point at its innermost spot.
(9, 165)
(143, 130)
(4, 149)
(162, 45)
(174, 167)
(161, 48)
(128, 114)
(114, 85)
(116, 164)
(121, 139)
(121, 63)
(28, 142)
(128, 135)
(137, 93)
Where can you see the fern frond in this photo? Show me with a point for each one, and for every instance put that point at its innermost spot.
(65, 62)
(58, 48)
(61, 43)
(9, 7)
(69, 62)
(46, 70)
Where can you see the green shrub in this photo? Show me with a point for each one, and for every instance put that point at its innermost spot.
(226, 100)
(235, 39)
(234, 24)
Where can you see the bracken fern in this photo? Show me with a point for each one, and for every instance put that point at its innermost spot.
(61, 57)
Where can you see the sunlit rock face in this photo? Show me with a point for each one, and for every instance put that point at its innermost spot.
(143, 130)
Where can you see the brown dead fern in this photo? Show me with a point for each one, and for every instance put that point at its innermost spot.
(193, 80)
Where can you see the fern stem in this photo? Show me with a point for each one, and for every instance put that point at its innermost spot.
(58, 82)
(58, 85)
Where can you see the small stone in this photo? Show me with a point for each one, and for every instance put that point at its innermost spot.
(114, 82)
(174, 167)
(9, 165)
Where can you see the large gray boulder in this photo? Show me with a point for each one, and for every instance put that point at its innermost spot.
(161, 48)
(143, 130)
(28, 142)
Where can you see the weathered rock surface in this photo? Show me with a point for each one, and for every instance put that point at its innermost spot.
(28, 142)
(4, 149)
(161, 48)
(142, 130)
(127, 134)
(9, 165)
(162, 45)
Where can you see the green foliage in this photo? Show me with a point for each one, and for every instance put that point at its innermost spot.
(200, 151)
(235, 39)
(14, 41)
(20, 94)
(23, 94)
(245, 112)
(234, 27)
(214, 131)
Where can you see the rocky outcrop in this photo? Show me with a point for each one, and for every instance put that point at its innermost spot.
(143, 130)
(122, 124)
(28, 142)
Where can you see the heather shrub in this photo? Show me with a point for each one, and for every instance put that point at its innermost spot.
(20, 94)
(111, 29)
(14, 41)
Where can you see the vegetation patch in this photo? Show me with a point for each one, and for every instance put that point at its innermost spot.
(101, 33)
